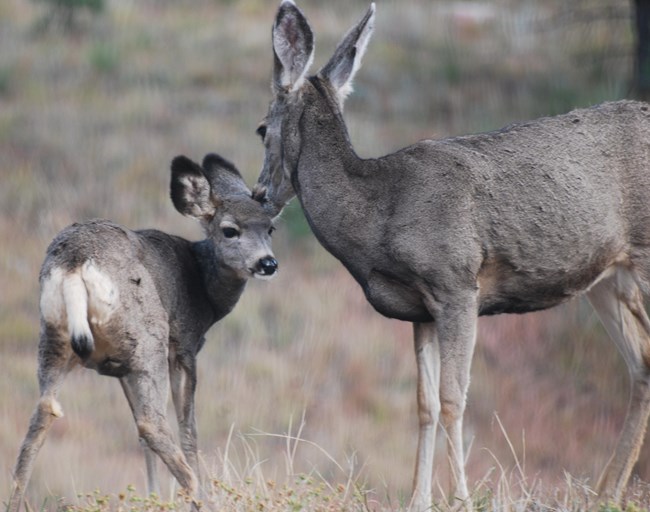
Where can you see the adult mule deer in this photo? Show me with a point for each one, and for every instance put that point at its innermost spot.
(136, 305)
(511, 221)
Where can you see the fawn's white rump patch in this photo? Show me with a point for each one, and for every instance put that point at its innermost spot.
(70, 300)
(103, 295)
(52, 306)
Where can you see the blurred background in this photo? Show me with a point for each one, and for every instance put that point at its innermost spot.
(97, 97)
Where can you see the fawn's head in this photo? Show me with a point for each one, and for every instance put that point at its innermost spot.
(293, 53)
(237, 225)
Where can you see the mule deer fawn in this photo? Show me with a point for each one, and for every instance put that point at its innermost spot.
(136, 305)
(440, 232)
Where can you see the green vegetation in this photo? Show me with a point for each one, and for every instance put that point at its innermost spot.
(104, 58)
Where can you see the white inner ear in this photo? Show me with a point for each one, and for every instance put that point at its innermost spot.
(297, 84)
(292, 77)
(290, 49)
(361, 46)
(338, 78)
(197, 195)
(364, 39)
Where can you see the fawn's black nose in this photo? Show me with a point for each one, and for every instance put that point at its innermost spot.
(268, 266)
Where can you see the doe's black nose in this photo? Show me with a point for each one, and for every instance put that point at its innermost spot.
(268, 266)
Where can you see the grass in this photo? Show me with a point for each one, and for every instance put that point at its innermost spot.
(239, 482)
(89, 122)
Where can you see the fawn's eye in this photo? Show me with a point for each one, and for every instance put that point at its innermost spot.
(271, 230)
(261, 131)
(230, 232)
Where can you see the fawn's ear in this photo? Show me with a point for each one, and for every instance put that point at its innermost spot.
(293, 47)
(190, 189)
(224, 178)
(346, 61)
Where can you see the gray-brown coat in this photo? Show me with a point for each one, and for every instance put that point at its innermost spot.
(136, 305)
(442, 231)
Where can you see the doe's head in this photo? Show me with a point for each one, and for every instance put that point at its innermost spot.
(236, 224)
(293, 54)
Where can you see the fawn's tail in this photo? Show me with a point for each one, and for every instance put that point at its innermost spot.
(75, 299)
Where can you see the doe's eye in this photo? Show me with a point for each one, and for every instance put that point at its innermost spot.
(271, 230)
(230, 232)
(261, 131)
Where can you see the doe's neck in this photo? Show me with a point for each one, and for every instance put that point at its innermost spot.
(340, 192)
(323, 158)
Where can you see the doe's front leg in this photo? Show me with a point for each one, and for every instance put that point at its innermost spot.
(456, 325)
(427, 358)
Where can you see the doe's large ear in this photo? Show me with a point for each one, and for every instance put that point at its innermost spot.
(190, 189)
(346, 61)
(293, 47)
(225, 180)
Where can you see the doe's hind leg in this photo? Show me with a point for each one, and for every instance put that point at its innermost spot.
(619, 303)
(55, 361)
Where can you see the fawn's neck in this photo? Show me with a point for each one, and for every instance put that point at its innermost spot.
(223, 285)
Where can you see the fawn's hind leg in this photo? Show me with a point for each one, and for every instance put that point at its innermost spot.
(619, 303)
(55, 361)
(146, 390)
(150, 457)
